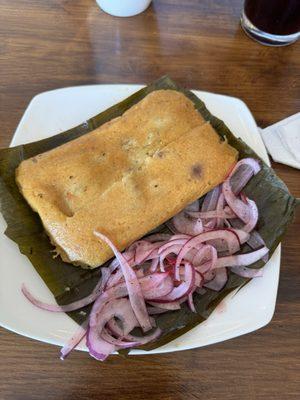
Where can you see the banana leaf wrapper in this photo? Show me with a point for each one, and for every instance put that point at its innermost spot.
(69, 283)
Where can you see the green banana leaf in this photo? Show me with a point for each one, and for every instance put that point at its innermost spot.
(69, 283)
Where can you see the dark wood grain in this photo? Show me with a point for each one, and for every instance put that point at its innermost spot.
(46, 44)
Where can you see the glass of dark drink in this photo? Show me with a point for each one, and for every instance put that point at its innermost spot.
(272, 22)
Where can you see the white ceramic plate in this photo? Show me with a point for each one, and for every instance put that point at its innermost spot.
(58, 110)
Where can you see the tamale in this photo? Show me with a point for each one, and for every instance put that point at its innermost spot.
(126, 177)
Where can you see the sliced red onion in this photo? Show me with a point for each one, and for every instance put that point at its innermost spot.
(242, 173)
(144, 251)
(204, 268)
(128, 255)
(198, 283)
(115, 329)
(130, 340)
(230, 247)
(247, 272)
(255, 241)
(171, 243)
(157, 285)
(242, 235)
(175, 249)
(181, 221)
(153, 286)
(105, 275)
(221, 213)
(184, 288)
(185, 224)
(220, 207)
(191, 303)
(179, 236)
(238, 206)
(209, 275)
(206, 253)
(114, 279)
(228, 235)
(241, 259)
(198, 278)
(222, 245)
(158, 237)
(134, 290)
(191, 254)
(209, 224)
(141, 249)
(227, 223)
(127, 326)
(113, 293)
(98, 347)
(172, 247)
(56, 308)
(155, 310)
(154, 265)
(243, 198)
(211, 199)
(172, 305)
(119, 343)
(114, 264)
(153, 253)
(74, 341)
(145, 339)
(209, 204)
(219, 280)
(253, 216)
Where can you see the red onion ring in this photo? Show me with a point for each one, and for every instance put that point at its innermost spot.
(134, 290)
(191, 302)
(219, 281)
(154, 285)
(253, 216)
(77, 337)
(211, 199)
(207, 251)
(168, 306)
(98, 347)
(241, 259)
(218, 213)
(238, 206)
(183, 289)
(240, 176)
(228, 235)
(56, 308)
(247, 272)
(184, 224)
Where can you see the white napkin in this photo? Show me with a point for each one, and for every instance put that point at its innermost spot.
(282, 141)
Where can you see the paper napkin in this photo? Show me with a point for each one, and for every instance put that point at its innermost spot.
(282, 141)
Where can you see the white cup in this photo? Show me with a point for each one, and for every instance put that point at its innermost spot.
(123, 8)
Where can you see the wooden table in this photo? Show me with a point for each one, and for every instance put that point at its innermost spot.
(47, 44)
